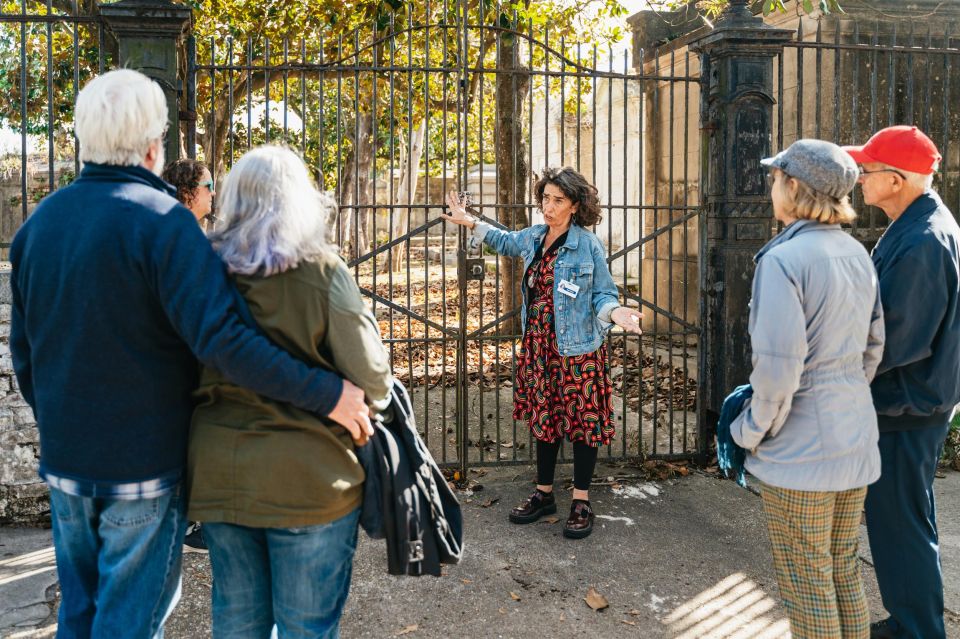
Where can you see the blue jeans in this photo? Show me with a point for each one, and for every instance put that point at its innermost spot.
(296, 578)
(118, 562)
(902, 528)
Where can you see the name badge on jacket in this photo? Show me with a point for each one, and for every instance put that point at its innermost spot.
(568, 288)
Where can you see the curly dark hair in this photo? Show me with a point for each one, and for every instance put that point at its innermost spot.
(184, 174)
(575, 187)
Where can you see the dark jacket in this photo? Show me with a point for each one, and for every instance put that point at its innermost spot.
(406, 498)
(918, 264)
(116, 295)
(730, 455)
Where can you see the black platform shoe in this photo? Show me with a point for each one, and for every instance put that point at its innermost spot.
(534, 507)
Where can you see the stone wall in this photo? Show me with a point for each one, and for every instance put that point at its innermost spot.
(23, 496)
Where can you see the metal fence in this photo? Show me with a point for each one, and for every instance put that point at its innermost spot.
(844, 79)
(390, 118)
(46, 55)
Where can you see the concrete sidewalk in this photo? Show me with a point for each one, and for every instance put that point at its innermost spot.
(683, 558)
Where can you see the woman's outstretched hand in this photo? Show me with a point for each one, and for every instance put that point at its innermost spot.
(457, 212)
(627, 318)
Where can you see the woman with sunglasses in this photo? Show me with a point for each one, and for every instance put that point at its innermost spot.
(194, 186)
(562, 390)
(810, 430)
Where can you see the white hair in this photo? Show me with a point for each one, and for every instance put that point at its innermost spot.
(118, 115)
(271, 215)
(921, 181)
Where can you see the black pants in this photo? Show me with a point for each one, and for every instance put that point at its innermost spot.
(584, 461)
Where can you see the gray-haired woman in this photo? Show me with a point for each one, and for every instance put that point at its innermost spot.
(816, 331)
(278, 489)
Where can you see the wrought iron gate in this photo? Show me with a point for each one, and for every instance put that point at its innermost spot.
(392, 117)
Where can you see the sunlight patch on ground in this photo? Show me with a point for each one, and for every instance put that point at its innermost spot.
(27, 565)
(38, 633)
(734, 608)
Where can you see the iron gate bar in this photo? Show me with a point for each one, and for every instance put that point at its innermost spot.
(868, 48)
(478, 334)
(23, 115)
(191, 133)
(383, 248)
(396, 307)
(328, 69)
(44, 18)
(655, 234)
(50, 99)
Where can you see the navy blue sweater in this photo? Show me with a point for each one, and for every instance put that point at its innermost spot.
(116, 295)
(918, 264)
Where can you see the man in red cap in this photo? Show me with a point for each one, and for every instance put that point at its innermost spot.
(918, 382)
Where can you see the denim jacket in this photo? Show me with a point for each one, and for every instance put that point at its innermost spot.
(582, 321)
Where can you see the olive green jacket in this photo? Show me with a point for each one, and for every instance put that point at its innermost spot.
(260, 463)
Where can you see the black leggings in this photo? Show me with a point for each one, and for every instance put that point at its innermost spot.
(584, 461)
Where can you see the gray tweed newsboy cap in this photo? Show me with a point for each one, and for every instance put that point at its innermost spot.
(824, 166)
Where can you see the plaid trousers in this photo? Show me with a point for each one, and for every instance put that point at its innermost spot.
(814, 537)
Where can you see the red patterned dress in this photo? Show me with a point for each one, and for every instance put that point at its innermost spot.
(559, 396)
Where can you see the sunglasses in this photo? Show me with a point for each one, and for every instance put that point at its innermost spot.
(208, 184)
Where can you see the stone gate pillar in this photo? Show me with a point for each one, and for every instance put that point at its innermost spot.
(736, 121)
(148, 35)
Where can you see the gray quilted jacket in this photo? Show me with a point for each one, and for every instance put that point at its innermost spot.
(816, 330)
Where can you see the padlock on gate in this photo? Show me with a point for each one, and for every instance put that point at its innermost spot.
(470, 264)
(469, 267)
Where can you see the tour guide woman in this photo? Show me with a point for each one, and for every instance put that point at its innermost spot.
(562, 388)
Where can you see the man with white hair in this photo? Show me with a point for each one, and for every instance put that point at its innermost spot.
(117, 295)
(918, 382)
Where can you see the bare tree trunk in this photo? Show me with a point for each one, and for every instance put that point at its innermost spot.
(345, 200)
(406, 192)
(512, 170)
(365, 186)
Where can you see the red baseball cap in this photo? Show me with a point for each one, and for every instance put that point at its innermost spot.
(902, 147)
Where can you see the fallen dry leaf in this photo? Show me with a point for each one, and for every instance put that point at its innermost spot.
(595, 600)
(629, 623)
(550, 520)
(467, 581)
(486, 503)
(514, 596)
(563, 617)
(634, 612)
(503, 611)
(411, 628)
